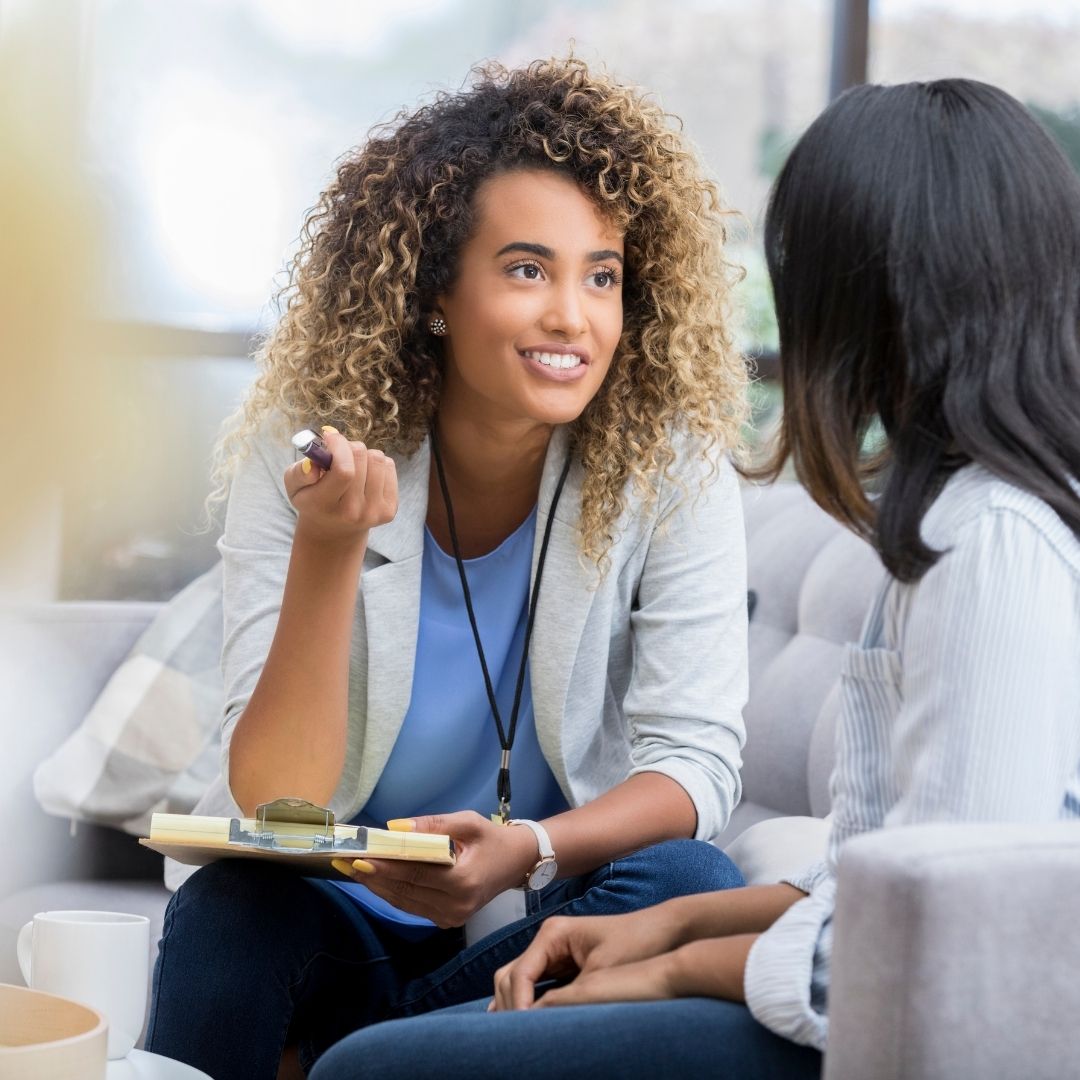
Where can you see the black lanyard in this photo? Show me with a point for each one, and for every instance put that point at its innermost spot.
(506, 738)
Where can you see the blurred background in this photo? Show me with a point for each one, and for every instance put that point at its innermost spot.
(156, 160)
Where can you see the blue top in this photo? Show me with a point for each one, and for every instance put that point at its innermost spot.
(446, 756)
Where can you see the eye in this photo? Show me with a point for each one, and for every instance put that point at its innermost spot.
(605, 277)
(527, 271)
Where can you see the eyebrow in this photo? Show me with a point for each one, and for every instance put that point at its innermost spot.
(547, 253)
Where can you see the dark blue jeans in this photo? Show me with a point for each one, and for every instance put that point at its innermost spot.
(686, 1038)
(253, 957)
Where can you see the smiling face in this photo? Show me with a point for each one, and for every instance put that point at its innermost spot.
(535, 313)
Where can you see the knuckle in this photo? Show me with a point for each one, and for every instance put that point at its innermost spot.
(554, 926)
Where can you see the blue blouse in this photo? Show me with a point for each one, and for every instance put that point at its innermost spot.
(446, 756)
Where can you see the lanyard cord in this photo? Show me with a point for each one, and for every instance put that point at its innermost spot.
(506, 738)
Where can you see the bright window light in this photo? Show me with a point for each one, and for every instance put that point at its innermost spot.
(213, 179)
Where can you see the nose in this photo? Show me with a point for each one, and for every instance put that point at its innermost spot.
(565, 313)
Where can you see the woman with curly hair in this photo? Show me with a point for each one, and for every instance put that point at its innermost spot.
(509, 319)
(922, 242)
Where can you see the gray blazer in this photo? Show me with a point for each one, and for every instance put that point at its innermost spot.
(641, 669)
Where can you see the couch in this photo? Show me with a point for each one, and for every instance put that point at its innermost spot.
(920, 988)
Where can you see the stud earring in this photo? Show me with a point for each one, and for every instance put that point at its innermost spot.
(438, 326)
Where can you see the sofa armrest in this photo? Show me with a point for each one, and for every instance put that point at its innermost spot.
(955, 953)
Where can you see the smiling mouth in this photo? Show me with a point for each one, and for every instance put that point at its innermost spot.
(560, 361)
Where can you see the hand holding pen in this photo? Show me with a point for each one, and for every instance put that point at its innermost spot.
(341, 489)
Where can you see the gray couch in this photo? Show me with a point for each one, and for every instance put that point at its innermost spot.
(921, 989)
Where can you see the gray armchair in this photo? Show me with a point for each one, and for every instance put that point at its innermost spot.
(956, 955)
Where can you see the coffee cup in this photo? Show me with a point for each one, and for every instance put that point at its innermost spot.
(98, 958)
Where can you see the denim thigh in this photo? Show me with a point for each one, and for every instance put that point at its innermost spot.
(650, 876)
(253, 957)
(680, 1039)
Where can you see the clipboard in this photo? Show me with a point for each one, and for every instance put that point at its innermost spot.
(293, 832)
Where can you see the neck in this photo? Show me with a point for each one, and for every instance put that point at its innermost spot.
(493, 469)
(486, 457)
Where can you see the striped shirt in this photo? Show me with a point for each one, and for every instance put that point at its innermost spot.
(960, 703)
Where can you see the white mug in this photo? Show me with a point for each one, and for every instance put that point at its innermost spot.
(98, 958)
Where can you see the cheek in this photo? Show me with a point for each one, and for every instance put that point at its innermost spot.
(499, 320)
(612, 326)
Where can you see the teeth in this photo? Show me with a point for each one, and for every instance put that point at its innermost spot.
(556, 360)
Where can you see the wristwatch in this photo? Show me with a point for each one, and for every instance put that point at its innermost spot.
(543, 873)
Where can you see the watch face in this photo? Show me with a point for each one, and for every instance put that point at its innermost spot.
(543, 874)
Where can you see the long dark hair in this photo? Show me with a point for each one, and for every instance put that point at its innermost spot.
(924, 246)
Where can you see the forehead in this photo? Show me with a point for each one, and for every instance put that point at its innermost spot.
(541, 206)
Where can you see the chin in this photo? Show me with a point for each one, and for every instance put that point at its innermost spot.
(558, 408)
(554, 414)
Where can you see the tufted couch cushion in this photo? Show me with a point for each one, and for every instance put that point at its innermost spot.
(814, 581)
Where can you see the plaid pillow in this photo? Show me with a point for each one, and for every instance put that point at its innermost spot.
(151, 741)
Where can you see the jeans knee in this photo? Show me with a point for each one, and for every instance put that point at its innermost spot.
(693, 866)
(230, 898)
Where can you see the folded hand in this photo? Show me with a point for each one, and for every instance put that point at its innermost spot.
(563, 947)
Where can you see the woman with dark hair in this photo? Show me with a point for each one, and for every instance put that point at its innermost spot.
(923, 242)
(508, 317)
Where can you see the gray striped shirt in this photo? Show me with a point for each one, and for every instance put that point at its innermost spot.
(961, 703)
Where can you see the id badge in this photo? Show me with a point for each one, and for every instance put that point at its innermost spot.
(505, 908)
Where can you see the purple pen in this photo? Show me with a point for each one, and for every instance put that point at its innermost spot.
(312, 446)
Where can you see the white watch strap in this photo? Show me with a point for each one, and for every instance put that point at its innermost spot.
(542, 838)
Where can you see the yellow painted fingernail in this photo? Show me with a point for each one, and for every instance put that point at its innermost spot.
(401, 824)
(331, 428)
(363, 866)
(305, 466)
(342, 865)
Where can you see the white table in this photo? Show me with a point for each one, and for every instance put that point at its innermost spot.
(141, 1065)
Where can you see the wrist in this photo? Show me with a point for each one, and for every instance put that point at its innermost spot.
(679, 968)
(524, 853)
(544, 868)
(323, 544)
(710, 967)
(671, 919)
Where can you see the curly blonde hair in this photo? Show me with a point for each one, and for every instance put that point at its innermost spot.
(352, 347)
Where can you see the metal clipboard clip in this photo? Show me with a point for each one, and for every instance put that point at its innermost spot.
(293, 825)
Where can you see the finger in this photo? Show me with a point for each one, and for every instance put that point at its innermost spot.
(357, 869)
(410, 873)
(464, 825)
(503, 1000)
(427, 903)
(632, 982)
(376, 477)
(360, 456)
(531, 967)
(408, 885)
(571, 994)
(390, 490)
(341, 450)
(422, 904)
(301, 474)
(548, 955)
(583, 989)
(520, 992)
